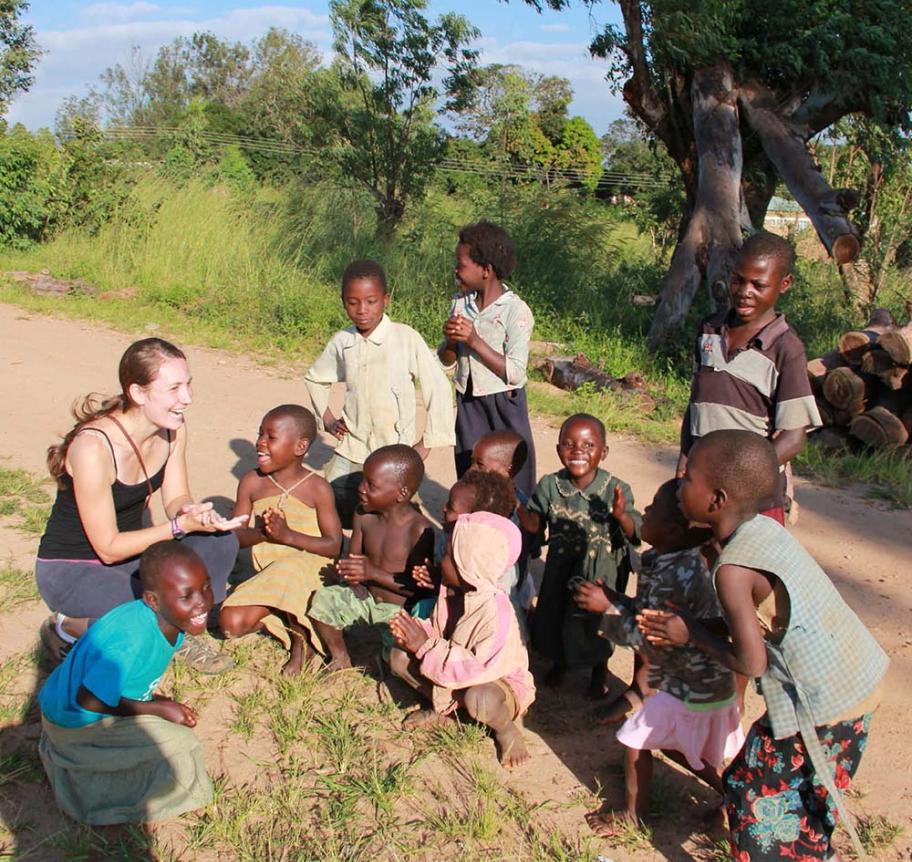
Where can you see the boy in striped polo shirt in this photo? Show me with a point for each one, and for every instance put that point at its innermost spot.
(750, 365)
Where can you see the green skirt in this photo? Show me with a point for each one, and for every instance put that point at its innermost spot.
(125, 770)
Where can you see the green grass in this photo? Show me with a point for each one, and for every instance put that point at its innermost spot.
(876, 833)
(17, 587)
(260, 274)
(25, 500)
(888, 475)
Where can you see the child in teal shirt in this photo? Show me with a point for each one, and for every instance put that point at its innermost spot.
(113, 750)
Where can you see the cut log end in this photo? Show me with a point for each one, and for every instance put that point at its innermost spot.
(845, 248)
(880, 429)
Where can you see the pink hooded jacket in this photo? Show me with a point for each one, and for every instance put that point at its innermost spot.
(485, 644)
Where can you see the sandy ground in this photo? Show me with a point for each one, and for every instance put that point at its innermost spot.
(866, 547)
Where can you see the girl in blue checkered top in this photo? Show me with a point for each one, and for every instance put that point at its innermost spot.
(819, 669)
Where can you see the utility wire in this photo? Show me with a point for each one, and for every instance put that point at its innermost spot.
(448, 164)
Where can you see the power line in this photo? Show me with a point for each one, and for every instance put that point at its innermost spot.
(451, 164)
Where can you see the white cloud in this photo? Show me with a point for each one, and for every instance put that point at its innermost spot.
(74, 58)
(592, 94)
(555, 28)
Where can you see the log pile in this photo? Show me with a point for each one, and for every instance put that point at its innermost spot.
(864, 387)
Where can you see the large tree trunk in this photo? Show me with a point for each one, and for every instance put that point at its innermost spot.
(714, 226)
(785, 147)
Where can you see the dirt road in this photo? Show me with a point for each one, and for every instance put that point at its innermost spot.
(866, 547)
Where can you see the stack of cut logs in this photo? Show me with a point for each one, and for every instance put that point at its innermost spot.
(864, 387)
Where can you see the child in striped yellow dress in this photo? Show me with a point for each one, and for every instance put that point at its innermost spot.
(294, 532)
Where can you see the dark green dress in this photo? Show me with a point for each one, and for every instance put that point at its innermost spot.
(584, 541)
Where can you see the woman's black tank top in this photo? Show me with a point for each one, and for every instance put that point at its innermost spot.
(64, 536)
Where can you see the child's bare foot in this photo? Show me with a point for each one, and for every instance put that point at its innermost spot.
(300, 653)
(338, 664)
(619, 709)
(511, 748)
(609, 824)
(555, 676)
(598, 682)
(424, 718)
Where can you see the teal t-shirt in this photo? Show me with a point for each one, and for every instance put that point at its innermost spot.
(123, 655)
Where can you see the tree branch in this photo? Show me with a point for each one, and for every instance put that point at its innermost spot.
(785, 148)
(638, 90)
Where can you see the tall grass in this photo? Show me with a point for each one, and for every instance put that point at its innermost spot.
(258, 269)
(261, 270)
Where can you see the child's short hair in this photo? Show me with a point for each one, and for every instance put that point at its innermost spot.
(405, 462)
(303, 419)
(510, 448)
(158, 556)
(493, 492)
(742, 463)
(490, 245)
(364, 269)
(584, 417)
(764, 244)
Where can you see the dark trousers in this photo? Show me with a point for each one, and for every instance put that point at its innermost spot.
(476, 415)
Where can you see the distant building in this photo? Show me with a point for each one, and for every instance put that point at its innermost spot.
(785, 216)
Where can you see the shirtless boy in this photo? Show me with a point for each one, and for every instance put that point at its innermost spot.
(389, 537)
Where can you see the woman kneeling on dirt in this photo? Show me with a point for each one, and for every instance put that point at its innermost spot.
(119, 452)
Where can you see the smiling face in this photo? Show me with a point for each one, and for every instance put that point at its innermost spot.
(756, 284)
(182, 598)
(365, 302)
(581, 449)
(164, 400)
(279, 443)
(696, 496)
(380, 487)
(469, 275)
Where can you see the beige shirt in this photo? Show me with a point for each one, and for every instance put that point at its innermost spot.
(380, 373)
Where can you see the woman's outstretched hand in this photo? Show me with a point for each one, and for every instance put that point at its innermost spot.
(202, 518)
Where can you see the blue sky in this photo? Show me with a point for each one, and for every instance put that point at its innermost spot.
(81, 39)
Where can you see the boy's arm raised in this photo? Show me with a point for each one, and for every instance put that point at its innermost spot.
(170, 710)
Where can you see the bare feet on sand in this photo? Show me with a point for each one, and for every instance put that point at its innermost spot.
(619, 709)
(511, 749)
(424, 718)
(337, 664)
(296, 662)
(609, 824)
(598, 682)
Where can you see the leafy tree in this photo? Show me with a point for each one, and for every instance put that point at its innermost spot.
(734, 91)
(521, 117)
(865, 156)
(27, 200)
(379, 102)
(18, 51)
(643, 179)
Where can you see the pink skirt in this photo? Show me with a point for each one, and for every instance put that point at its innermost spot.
(709, 736)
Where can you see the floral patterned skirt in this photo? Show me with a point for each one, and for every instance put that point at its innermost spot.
(777, 807)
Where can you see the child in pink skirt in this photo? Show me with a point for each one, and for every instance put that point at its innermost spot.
(692, 715)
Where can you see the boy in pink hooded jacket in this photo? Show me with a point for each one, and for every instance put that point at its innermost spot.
(470, 653)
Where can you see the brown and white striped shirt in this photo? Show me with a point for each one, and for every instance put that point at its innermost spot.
(762, 387)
